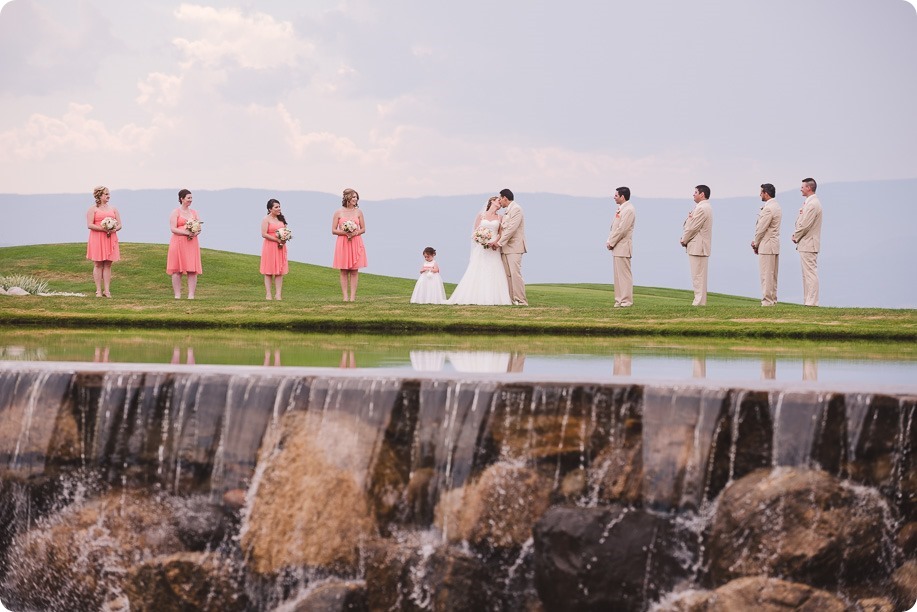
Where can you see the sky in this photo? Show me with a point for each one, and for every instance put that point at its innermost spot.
(410, 99)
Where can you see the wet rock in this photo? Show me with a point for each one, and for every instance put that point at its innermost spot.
(234, 499)
(411, 574)
(184, 581)
(907, 540)
(200, 524)
(758, 593)
(496, 511)
(905, 582)
(801, 524)
(81, 555)
(573, 483)
(876, 604)
(309, 507)
(420, 504)
(335, 596)
(616, 475)
(606, 558)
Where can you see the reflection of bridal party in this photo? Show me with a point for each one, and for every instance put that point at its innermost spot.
(494, 273)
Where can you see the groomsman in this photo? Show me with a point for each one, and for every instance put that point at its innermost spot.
(766, 243)
(807, 238)
(512, 247)
(696, 239)
(620, 242)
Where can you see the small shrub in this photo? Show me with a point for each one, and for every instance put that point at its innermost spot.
(29, 283)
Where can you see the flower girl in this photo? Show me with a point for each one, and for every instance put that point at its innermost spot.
(429, 288)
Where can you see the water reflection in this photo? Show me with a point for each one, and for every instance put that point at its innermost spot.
(545, 356)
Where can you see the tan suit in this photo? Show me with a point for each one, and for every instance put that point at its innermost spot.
(621, 242)
(512, 247)
(697, 237)
(767, 242)
(808, 242)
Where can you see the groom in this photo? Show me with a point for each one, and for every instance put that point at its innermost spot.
(512, 246)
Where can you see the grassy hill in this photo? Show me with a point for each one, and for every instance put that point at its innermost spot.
(231, 294)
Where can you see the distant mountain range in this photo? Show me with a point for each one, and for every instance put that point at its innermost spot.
(866, 259)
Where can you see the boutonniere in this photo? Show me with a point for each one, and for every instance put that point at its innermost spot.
(617, 214)
(801, 209)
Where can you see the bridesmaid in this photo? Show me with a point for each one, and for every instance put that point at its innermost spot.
(274, 250)
(102, 248)
(184, 248)
(349, 254)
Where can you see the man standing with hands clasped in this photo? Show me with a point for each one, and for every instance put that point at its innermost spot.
(620, 243)
(512, 247)
(696, 239)
(807, 238)
(766, 243)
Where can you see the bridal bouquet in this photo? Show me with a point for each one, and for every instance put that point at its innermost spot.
(108, 224)
(283, 235)
(350, 227)
(193, 226)
(483, 236)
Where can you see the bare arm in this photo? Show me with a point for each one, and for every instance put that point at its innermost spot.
(265, 225)
(173, 220)
(90, 220)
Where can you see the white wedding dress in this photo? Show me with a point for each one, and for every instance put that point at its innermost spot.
(484, 281)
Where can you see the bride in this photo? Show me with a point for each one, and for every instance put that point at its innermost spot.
(484, 281)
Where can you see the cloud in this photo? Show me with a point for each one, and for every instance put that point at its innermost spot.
(161, 89)
(74, 132)
(256, 40)
(51, 47)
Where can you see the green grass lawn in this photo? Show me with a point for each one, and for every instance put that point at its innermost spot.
(231, 294)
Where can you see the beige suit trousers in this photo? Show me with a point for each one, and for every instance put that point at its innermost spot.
(512, 264)
(767, 265)
(624, 282)
(809, 277)
(699, 278)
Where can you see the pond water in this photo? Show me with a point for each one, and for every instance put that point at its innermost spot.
(653, 358)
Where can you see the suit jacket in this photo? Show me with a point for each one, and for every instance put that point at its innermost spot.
(512, 239)
(767, 229)
(698, 232)
(808, 226)
(621, 235)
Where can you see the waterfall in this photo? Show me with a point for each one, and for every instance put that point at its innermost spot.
(297, 482)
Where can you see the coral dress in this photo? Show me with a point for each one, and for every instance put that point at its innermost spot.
(102, 246)
(273, 259)
(349, 253)
(184, 253)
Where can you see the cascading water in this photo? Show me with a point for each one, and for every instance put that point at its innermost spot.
(265, 489)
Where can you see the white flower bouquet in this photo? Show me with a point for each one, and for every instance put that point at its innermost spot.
(108, 224)
(283, 234)
(350, 227)
(483, 236)
(194, 227)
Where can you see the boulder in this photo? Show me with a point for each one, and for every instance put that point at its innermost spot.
(496, 511)
(309, 507)
(184, 581)
(616, 474)
(410, 573)
(610, 558)
(905, 581)
(80, 555)
(803, 525)
(758, 593)
(334, 596)
(17, 291)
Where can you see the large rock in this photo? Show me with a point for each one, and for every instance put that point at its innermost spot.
(496, 511)
(334, 596)
(611, 558)
(410, 573)
(804, 525)
(77, 559)
(185, 581)
(758, 593)
(905, 581)
(309, 507)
